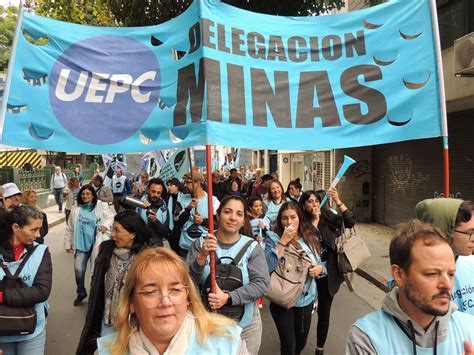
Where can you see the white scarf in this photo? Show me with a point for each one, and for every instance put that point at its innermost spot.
(139, 344)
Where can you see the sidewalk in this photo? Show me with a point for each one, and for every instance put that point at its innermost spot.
(377, 268)
(377, 236)
(54, 217)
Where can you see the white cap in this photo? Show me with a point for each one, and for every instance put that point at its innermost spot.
(10, 189)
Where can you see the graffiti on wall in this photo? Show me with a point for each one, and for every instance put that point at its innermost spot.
(404, 177)
(357, 170)
(437, 194)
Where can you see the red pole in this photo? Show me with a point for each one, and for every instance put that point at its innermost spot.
(210, 209)
(446, 166)
(191, 170)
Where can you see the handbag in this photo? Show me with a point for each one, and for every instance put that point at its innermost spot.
(288, 279)
(352, 253)
(16, 320)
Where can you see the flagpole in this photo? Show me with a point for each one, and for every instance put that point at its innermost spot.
(191, 170)
(210, 209)
(442, 96)
(11, 66)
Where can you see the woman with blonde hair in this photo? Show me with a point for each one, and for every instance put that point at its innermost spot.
(274, 201)
(29, 197)
(160, 310)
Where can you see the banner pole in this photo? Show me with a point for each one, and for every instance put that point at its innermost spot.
(210, 209)
(446, 166)
(11, 66)
(442, 96)
(191, 171)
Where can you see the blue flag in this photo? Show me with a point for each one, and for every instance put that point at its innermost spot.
(220, 75)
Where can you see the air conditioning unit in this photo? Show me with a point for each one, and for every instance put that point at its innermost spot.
(464, 55)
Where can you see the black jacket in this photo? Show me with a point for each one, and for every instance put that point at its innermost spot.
(42, 283)
(159, 230)
(44, 229)
(330, 227)
(95, 306)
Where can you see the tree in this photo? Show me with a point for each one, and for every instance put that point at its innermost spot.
(152, 12)
(8, 18)
(94, 13)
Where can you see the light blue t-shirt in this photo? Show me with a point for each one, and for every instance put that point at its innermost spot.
(463, 289)
(272, 211)
(191, 230)
(256, 229)
(85, 228)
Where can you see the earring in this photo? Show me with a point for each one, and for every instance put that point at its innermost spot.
(130, 320)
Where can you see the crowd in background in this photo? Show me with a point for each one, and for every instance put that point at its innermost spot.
(148, 243)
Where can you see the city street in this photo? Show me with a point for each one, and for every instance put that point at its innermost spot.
(65, 321)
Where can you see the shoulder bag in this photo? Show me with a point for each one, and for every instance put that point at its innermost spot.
(352, 253)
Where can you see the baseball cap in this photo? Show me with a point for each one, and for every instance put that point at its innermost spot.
(197, 176)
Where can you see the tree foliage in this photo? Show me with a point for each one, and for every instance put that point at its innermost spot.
(87, 12)
(8, 18)
(152, 12)
(143, 13)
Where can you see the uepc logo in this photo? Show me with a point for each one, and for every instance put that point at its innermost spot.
(104, 88)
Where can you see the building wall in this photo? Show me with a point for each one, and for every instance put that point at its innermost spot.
(284, 168)
(313, 168)
(403, 174)
(355, 188)
(407, 172)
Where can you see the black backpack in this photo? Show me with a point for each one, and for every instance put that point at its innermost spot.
(16, 320)
(228, 278)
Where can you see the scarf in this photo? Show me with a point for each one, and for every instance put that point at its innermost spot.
(114, 281)
(139, 344)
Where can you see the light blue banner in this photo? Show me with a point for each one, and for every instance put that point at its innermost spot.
(224, 76)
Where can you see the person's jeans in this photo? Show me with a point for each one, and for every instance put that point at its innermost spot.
(33, 346)
(324, 311)
(252, 334)
(58, 196)
(293, 327)
(80, 265)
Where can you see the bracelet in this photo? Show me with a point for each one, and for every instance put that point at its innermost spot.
(283, 245)
(340, 204)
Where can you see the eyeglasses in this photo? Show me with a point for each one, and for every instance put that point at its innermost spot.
(117, 231)
(470, 234)
(152, 299)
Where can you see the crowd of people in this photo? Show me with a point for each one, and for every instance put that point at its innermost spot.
(148, 298)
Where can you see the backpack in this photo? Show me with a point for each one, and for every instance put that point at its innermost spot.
(288, 279)
(63, 176)
(228, 278)
(16, 320)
